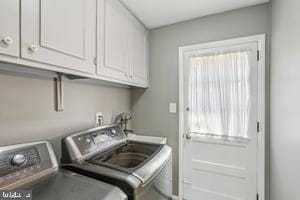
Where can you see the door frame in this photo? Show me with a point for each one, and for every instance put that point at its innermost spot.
(260, 39)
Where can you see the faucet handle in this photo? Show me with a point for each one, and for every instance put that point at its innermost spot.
(122, 117)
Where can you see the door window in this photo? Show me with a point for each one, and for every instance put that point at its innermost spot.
(219, 94)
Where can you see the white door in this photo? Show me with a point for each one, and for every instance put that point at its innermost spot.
(220, 123)
(9, 27)
(60, 33)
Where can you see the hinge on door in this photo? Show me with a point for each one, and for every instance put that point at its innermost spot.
(257, 126)
(257, 55)
(257, 196)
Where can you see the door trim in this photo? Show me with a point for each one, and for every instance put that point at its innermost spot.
(260, 39)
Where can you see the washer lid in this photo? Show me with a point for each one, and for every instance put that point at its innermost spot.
(153, 167)
(71, 186)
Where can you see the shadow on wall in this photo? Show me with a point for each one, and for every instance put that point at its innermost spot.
(136, 94)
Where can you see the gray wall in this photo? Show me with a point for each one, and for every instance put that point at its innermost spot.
(285, 99)
(150, 107)
(27, 108)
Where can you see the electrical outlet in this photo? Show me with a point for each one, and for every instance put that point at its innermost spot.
(99, 119)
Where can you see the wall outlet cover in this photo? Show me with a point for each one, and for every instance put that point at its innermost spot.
(99, 119)
(172, 108)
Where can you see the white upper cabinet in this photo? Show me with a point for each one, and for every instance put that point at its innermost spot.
(114, 37)
(122, 44)
(98, 39)
(139, 65)
(60, 33)
(9, 27)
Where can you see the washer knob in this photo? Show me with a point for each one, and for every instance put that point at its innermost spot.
(18, 160)
(113, 132)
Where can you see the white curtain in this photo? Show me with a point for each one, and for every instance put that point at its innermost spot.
(219, 94)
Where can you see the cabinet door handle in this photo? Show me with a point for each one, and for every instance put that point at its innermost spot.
(126, 74)
(131, 76)
(8, 40)
(33, 48)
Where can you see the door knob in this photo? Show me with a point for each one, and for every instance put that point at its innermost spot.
(33, 48)
(188, 136)
(8, 40)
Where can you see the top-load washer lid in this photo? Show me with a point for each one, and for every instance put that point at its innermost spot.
(71, 186)
(33, 166)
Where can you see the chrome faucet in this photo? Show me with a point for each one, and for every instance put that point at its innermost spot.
(122, 119)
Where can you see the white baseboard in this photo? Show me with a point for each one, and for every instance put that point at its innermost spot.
(174, 197)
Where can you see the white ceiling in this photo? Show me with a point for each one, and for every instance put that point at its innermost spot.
(155, 13)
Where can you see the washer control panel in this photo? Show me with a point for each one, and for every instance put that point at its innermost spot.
(11, 162)
(24, 162)
(94, 140)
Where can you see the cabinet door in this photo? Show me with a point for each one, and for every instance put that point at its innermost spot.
(60, 33)
(114, 38)
(139, 67)
(9, 27)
